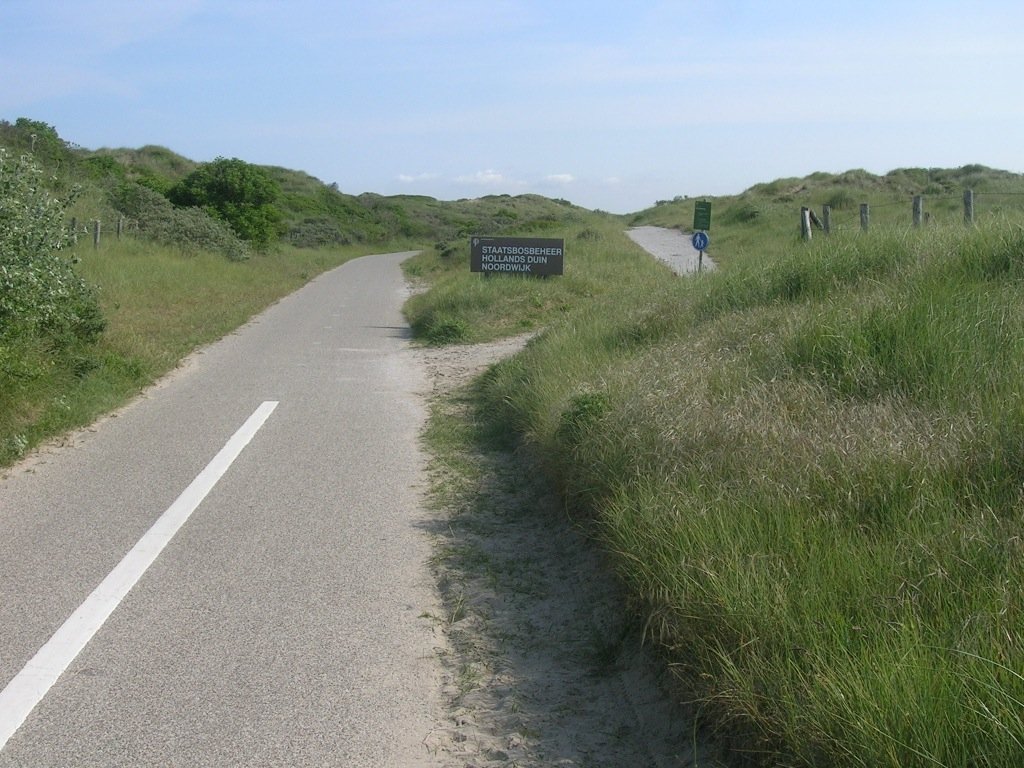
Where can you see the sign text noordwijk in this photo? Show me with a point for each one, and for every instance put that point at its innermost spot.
(539, 256)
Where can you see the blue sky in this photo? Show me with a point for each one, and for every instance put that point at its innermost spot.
(612, 105)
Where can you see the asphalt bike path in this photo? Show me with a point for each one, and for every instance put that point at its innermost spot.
(246, 541)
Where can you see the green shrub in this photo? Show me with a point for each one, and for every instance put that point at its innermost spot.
(102, 166)
(582, 414)
(236, 192)
(191, 229)
(316, 232)
(49, 317)
(448, 249)
(40, 294)
(37, 139)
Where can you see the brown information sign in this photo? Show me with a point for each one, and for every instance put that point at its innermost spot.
(539, 256)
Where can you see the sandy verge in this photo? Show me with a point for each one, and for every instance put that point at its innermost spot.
(541, 666)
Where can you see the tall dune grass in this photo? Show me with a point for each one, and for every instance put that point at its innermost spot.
(466, 307)
(810, 473)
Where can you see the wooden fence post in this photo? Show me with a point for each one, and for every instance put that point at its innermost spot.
(918, 210)
(805, 223)
(826, 219)
(865, 216)
(96, 233)
(120, 226)
(968, 206)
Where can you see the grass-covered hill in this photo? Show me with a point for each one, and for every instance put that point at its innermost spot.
(136, 186)
(743, 223)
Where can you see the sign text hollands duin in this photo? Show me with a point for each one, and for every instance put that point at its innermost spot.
(539, 256)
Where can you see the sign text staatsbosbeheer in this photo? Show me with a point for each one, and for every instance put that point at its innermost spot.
(539, 256)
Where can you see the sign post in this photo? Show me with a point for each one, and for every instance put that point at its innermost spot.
(701, 224)
(700, 243)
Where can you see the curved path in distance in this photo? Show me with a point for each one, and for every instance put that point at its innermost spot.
(671, 247)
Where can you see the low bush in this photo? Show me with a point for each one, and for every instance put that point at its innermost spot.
(190, 229)
(41, 296)
(316, 232)
(49, 316)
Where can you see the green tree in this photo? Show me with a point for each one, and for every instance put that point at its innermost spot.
(236, 192)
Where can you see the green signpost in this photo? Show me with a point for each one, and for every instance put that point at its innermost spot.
(702, 216)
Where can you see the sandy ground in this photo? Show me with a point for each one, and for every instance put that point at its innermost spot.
(672, 247)
(542, 667)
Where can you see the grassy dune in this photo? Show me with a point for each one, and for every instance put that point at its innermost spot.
(808, 467)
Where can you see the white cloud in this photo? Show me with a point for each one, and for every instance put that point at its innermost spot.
(407, 178)
(560, 178)
(488, 178)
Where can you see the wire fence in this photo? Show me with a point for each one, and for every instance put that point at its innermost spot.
(968, 207)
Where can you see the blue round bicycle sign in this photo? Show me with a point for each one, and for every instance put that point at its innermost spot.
(700, 241)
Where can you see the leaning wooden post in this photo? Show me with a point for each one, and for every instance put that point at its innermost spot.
(865, 216)
(826, 219)
(805, 223)
(120, 226)
(918, 210)
(968, 207)
(96, 233)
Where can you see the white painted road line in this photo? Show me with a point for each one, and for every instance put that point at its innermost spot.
(29, 686)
